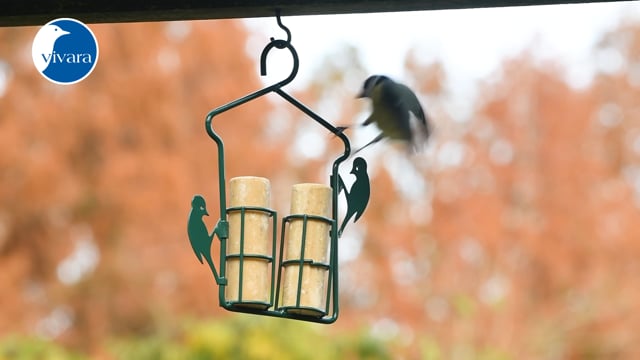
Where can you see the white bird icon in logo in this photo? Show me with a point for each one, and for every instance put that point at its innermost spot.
(43, 44)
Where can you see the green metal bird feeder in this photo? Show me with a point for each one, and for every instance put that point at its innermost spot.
(297, 276)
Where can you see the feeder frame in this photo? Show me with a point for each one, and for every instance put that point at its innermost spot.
(221, 230)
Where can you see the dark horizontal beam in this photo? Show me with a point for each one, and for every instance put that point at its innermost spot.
(39, 12)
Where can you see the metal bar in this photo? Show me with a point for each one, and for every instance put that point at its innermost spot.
(279, 279)
(309, 262)
(332, 269)
(240, 271)
(273, 260)
(301, 262)
(223, 269)
(309, 216)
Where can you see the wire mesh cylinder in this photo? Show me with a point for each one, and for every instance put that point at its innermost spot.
(249, 250)
(305, 269)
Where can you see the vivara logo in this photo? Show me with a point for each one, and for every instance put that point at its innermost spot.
(65, 51)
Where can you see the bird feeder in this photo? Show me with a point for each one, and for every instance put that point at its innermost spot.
(297, 276)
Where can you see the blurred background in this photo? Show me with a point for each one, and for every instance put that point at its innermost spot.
(514, 235)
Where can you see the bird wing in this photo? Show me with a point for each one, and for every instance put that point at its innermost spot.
(410, 100)
(418, 121)
(392, 116)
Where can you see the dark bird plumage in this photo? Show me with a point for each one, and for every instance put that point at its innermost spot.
(396, 110)
(358, 196)
(198, 234)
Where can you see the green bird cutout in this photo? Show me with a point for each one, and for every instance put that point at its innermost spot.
(198, 233)
(358, 195)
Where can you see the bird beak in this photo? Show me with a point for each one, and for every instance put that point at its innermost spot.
(205, 212)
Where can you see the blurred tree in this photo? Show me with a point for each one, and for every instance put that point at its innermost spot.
(97, 177)
(234, 337)
(513, 235)
(26, 348)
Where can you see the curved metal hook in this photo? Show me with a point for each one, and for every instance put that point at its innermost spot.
(280, 44)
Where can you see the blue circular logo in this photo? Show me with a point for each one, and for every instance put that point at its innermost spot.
(65, 51)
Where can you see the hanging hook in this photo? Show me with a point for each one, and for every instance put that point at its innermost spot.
(281, 25)
(280, 44)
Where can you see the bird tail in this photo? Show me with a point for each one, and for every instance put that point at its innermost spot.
(375, 140)
(212, 266)
(341, 186)
(344, 223)
(420, 133)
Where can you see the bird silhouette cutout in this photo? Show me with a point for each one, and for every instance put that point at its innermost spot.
(43, 45)
(358, 195)
(198, 234)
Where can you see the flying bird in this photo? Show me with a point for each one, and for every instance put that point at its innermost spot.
(43, 44)
(198, 233)
(358, 195)
(396, 110)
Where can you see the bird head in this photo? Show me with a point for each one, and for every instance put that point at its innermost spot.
(369, 84)
(53, 32)
(359, 166)
(198, 205)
